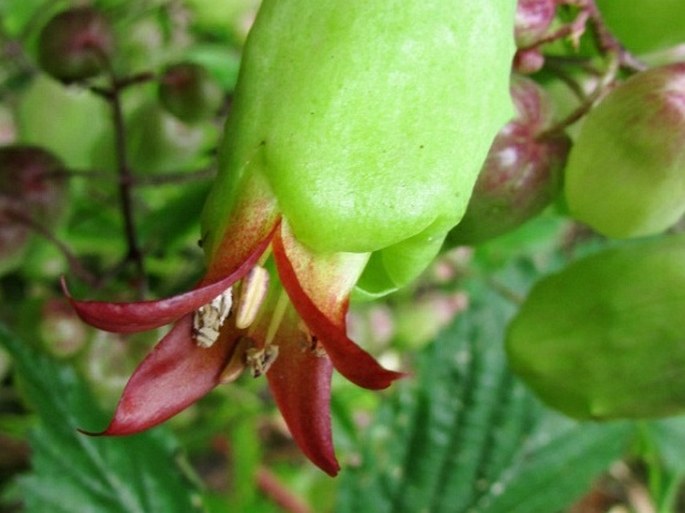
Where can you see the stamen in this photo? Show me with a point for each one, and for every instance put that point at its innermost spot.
(253, 293)
(238, 360)
(261, 360)
(310, 342)
(208, 319)
(276, 317)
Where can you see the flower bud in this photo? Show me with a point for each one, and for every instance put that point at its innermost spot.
(73, 44)
(603, 338)
(528, 61)
(32, 179)
(533, 18)
(189, 92)
(31, 190)
(521, 175)
(626, 173)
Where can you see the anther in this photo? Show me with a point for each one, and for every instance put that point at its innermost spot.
(253, 293)
(208, 319)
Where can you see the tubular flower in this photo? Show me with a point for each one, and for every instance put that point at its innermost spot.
(294, 329)
(355, 137)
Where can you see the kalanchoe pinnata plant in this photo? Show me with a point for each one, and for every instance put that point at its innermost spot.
(355, 138)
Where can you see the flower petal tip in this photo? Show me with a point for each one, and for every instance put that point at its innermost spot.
(381, 379)
(331, 467)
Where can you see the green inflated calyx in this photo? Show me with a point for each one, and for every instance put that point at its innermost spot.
(603, 338)
(626, 172)
(369, 120)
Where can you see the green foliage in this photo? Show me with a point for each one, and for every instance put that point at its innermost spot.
(74, 472)
(467, 436)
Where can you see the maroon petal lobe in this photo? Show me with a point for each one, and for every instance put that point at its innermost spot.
(172, 377)
(146, 315)
(231, 239)
(300, 383)
(327, 279)
(348, 358)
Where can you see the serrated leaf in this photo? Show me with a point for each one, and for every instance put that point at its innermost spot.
(75, 472)
(468, 437)
(549, 476)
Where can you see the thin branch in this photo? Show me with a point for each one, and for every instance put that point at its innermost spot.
(113, 95)
(602, 87)
(117, 84)
(606, 42)
(574, 30)
(566, 78)
(170, 178)
(272, 487)
(75, 265)
(575, 63)
(505, 292)
(175, 178)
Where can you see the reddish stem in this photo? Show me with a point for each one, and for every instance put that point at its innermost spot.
(74, 263)
(610, 47)
(272, 487)
(126, 180)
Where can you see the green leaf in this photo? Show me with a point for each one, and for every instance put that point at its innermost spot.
(559, 469)
(662, 450)
(668, 438)
(467, 436)
(75, 472)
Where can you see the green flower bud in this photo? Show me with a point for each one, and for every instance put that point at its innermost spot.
(189, 92)
(604, 337)
(626, 172)
(370, 121)
(522, 173)
(74, 44)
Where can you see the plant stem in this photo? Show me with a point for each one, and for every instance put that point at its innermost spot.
(603, 86)
(125, 196)
(606, 42)
(170, 178)
(608, 46)
(75, 264)
(126, 180)
(175, 178)
(583, 108)
(271, 486)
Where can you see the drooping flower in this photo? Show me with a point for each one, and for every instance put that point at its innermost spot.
(297, 335)
(355, 137)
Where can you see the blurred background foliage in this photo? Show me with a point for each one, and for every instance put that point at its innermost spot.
(462, 434)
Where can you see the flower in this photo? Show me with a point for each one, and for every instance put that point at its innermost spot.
(297, 337)
(355, 137)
